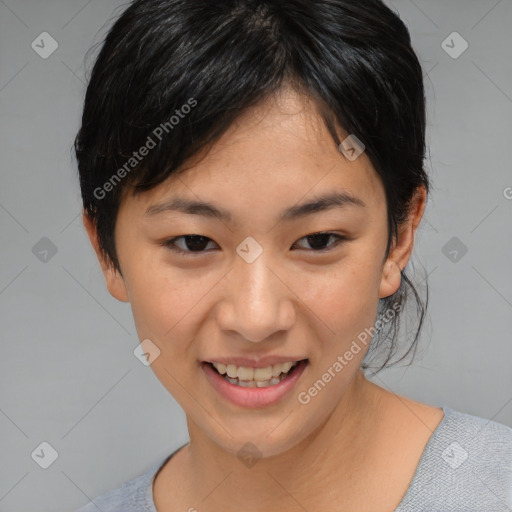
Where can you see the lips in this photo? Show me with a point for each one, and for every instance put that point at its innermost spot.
(247, 393)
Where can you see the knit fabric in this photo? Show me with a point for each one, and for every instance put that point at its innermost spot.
(466, 466)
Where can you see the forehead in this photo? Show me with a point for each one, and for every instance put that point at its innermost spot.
(278, 151)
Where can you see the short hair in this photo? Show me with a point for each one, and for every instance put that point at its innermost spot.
(182, 71)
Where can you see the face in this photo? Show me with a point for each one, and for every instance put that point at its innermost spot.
(256, 278)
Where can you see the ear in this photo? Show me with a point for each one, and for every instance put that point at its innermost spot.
(114, 279)
(401, 250)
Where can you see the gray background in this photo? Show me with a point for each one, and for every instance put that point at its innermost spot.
(68, 373)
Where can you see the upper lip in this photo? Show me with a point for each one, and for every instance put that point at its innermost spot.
(261, 362)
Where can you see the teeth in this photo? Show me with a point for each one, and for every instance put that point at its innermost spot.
(221, 368)
(231, 370)
(265, 376)
(248, 377)
(247, 383)
(284, 368)
(245, 373)
(256, 383)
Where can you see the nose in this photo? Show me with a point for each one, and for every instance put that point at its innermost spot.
(257, 303)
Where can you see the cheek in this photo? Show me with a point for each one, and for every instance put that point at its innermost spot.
(165, 305)
(347, 295)
(165, 310)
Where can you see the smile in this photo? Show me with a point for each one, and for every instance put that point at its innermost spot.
(248, 377)
(254, 387)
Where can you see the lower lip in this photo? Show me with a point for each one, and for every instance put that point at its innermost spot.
(253, 397)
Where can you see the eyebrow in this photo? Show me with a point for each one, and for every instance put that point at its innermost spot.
(323, 202)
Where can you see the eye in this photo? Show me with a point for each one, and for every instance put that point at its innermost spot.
(189, 244)
(196, 244)
(318, 241)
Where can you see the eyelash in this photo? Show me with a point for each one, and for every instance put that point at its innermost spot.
(170, 244)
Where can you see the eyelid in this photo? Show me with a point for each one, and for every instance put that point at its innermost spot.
(340, 238)
(170, 243)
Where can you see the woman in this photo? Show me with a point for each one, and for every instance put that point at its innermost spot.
(252, 179)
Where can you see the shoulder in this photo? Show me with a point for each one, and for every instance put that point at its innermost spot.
(466, 465)
(484, 444)
(134, 495)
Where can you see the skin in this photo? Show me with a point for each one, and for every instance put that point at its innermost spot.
(355, 445)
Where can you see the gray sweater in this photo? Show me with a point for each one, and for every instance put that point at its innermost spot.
(466, 467)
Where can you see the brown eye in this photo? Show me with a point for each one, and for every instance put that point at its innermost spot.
(318, 241)
(188, 244)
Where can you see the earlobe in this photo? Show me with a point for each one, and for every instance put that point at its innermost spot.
(113, 278)
(390, 280)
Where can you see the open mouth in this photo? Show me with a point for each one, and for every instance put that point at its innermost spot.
(256, 377)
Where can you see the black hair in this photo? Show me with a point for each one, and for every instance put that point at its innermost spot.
(179, 72)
